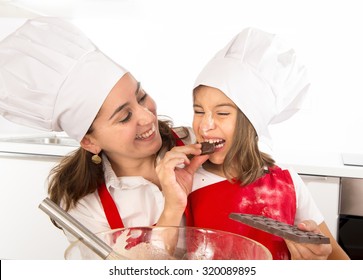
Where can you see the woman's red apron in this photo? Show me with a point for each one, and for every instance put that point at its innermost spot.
(272, 195)
(109, 206)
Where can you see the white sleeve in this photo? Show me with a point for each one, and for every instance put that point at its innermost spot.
(85, 215)
(306, 208)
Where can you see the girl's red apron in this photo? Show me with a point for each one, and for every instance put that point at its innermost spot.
(272, 195)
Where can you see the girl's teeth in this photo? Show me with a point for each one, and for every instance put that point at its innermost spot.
(213, 141)
(218, 143)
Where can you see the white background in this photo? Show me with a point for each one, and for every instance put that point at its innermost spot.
(166, 43)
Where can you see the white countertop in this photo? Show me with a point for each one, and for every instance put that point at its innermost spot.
(319, 163)
(15, 145)
(304, 162)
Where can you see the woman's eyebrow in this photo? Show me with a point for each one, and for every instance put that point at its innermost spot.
(119, 108)
(138, 88)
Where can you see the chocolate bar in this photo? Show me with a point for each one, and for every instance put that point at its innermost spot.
(280, 229)
(207, 148)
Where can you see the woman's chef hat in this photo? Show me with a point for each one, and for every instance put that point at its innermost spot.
(261, 76)
(52, 77)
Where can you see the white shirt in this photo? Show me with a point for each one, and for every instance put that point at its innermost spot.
(306, 209)
(139, 201)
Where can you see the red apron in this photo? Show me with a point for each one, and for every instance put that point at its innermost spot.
(272, 195)
(109, 206)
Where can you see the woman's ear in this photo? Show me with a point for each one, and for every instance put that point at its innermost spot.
(89, 145)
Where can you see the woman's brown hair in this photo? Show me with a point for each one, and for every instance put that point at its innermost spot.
(247, 161)
(77, 176)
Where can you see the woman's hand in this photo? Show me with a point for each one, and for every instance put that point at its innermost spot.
(175, 172)
(304, 251)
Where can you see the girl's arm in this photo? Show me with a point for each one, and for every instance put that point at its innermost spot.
(301, 251)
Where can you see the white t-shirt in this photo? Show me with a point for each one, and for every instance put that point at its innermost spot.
(306, 208)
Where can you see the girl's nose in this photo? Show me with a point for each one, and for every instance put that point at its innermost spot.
(145, 116)
(207, 123)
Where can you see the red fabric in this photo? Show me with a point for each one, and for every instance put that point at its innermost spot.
(110, 208)
(109, 205)
(178, 141)
(272, 195)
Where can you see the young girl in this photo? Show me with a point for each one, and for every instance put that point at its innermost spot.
(52, 77)
(252, 82)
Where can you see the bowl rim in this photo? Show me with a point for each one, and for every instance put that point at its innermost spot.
(100, 233)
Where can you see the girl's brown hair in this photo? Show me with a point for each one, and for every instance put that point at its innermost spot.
(244, 161)
(77, 176)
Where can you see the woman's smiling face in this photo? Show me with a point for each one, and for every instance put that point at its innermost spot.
(126, 125)
(215, 117)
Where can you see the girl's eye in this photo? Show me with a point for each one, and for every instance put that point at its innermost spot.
(127, 118)
(198, 112)
(223, 114)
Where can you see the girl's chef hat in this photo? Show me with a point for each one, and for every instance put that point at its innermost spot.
(52, 77)
(261, 76)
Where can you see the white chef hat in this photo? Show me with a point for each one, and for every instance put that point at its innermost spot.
(52, 77)
(261, 75)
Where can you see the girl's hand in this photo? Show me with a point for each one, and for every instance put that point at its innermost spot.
(303, 251)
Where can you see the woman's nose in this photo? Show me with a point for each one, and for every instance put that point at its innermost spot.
(207, 123)
(145, 116)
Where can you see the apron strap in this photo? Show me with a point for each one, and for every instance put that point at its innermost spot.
(178, 141)
(110, 208)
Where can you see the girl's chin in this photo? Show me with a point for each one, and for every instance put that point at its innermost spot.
(216, 161)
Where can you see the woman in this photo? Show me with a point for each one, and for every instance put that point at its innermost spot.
(54, 78)
(252, 82)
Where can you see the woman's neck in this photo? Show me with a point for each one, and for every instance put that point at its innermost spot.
(143, 167)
